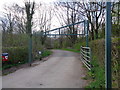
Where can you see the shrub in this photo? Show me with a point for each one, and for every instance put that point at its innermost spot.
(115, 30)
(17, 55)
(78, 45)
(98, 62)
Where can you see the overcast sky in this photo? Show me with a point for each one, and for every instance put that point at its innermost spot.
(20, 2)
(55, 22)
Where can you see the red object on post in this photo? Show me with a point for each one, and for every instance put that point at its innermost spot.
(4, 56)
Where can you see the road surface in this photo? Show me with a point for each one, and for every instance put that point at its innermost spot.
(62, 70)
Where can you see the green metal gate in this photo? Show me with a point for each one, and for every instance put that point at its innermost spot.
(85, 53)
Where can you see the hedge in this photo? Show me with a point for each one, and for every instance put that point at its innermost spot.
(17, 55)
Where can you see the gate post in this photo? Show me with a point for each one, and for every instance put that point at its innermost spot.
(108, 46)
(30, 48)
(86, 31)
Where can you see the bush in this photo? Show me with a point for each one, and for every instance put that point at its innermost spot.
(15, 40)
(98, 62)
(78, 45)
(17, 55)
(46, 53)
(115, 30)
(97, 74)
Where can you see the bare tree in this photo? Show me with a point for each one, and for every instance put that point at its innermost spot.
(20, 18)
(10, 20)
(69, 16)
(15, 18)
(44, 16)
(95, 12)
(29, 7)
(4, 25)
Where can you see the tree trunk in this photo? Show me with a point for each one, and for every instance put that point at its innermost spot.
(92, 33)
(96, 33)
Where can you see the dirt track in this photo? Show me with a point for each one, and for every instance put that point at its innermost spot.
(62, 70)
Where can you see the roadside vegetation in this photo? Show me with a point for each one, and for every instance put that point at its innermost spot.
(21, 24)
(18, 57)
(97, 74)
(17, 30)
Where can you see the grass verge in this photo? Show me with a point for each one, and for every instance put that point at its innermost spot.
(97, 75)
(46, 53)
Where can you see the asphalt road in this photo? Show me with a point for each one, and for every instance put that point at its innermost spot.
(62, 70)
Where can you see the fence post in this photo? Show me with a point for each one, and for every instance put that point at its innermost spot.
(90, 58)
(108, 46)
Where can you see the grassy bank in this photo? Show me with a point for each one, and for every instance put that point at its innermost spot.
(97, 74)
(46, 53)
(76, 47)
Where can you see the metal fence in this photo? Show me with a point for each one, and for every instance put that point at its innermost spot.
(86, 56)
